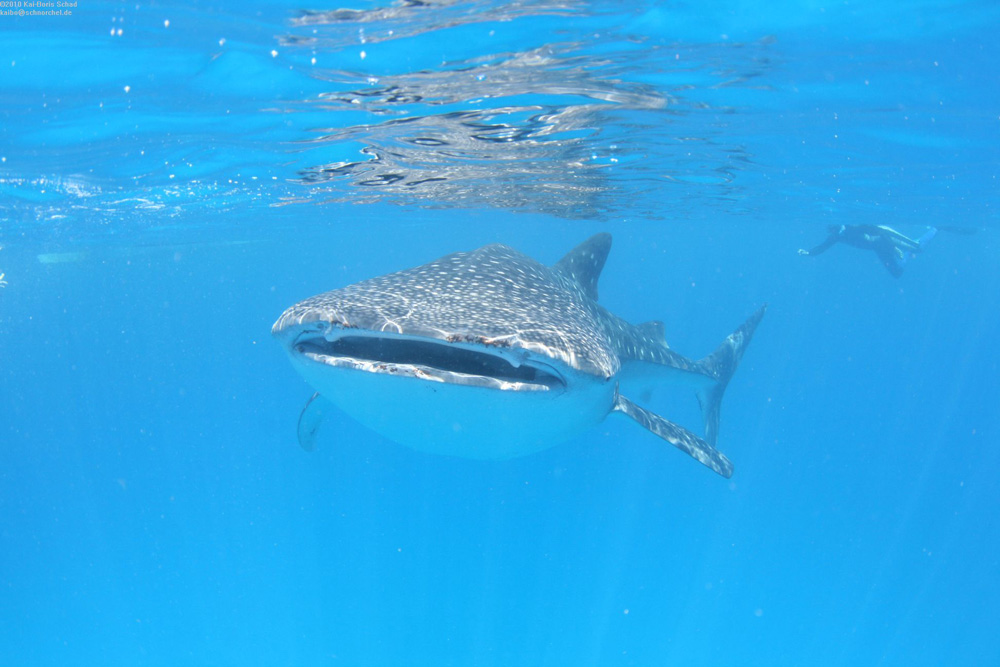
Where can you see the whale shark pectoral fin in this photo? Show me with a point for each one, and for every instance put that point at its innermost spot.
(678, 436)
(310, 421)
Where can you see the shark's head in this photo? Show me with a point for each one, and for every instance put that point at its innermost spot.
(489, 318)
(485, 353)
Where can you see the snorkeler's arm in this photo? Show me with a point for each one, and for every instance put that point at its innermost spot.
(822, 247)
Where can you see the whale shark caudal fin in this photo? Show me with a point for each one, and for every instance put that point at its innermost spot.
(310, 421)
(720, 366)
(678, 436)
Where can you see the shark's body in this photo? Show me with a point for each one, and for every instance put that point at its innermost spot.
(490, 354)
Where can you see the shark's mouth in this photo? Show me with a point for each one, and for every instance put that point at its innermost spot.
(431, 359)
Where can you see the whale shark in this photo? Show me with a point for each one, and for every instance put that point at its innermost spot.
(490, 354)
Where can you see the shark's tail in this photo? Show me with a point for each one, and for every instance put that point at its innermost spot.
(720, 366)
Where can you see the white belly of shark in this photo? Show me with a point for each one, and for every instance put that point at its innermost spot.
(456, 412)
(490, 354)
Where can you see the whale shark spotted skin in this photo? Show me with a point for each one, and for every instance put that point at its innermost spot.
(490, 354)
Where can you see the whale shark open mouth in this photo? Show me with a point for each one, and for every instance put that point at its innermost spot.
(430, 359)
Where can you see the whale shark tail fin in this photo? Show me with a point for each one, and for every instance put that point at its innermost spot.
(720, 366)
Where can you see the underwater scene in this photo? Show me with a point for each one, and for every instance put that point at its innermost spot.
(484, 332)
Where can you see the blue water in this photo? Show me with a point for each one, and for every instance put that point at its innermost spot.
(166, 191)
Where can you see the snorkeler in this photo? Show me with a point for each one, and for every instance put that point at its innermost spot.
(893, 248)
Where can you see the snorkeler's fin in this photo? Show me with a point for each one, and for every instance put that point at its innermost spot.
(311, 420)
(962, 231)
(927, 236)
(904, 257)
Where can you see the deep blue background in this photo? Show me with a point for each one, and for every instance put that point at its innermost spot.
(155, 508)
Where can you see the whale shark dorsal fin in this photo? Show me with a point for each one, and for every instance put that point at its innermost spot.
(678, 436)
(584, 262)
